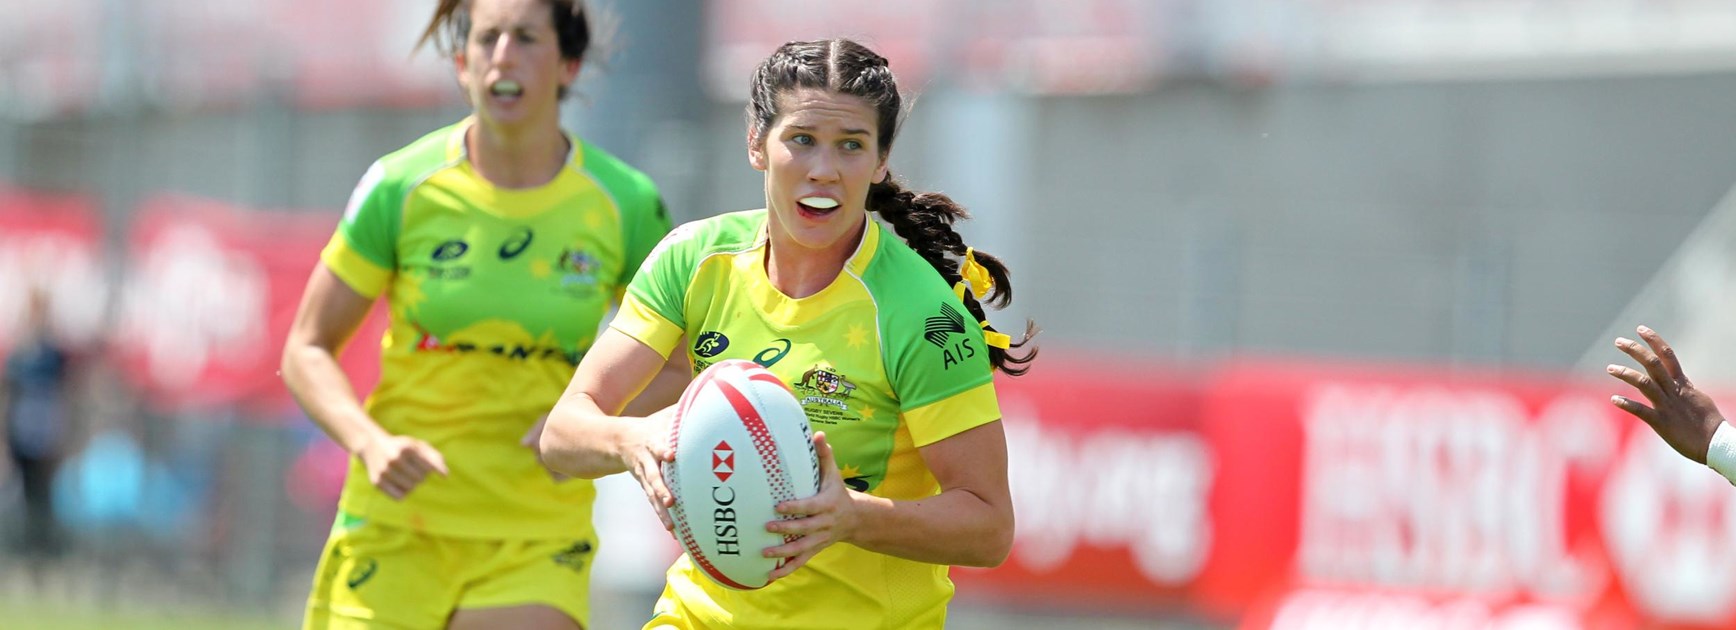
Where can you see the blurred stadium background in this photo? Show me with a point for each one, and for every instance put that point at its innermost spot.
(1327, 288)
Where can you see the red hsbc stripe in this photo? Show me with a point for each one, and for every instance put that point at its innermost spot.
(687, 397)
(768, 452)
(769, 378)
(705, 564)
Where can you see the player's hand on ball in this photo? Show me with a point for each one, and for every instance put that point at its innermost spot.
(825, 518)
(1681, 414)
(396, 464)
(645, 450)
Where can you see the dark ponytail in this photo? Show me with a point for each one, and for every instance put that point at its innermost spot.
(923, 220)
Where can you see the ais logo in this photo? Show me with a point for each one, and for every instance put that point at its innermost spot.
(939, 330)
(710, 344)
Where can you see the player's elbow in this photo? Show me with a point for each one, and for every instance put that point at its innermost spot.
(993, 546)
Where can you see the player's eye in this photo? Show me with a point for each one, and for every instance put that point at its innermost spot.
(802, 139)
(852, 145)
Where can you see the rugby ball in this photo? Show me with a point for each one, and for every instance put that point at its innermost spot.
(742, 445)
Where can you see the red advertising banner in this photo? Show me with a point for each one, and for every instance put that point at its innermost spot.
(1110, 473)
(51, 243)
(209, 294)
(1341, 495)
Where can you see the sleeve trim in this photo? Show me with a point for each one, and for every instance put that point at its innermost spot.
(361, 274)
(953, 415)
(640, 322)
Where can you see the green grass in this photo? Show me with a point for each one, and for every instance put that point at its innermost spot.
(22, 616)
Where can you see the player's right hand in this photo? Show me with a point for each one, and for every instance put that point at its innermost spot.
(396, 464)
(644, 450)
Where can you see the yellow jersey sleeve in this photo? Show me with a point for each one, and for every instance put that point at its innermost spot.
(951, 416)
(363, 252)
(355, 270)
(641, 322)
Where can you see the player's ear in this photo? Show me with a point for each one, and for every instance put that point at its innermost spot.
(570, 72)
(460, 62)
(756, 151)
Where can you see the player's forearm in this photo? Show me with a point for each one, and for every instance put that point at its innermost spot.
(955, 527)
(665, 388)
(324, 392)
(582, 441)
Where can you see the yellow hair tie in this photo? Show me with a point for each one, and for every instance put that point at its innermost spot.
(995, 339)
(973, 273)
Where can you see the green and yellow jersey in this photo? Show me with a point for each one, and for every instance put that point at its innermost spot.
(494, 293)
(885, 360)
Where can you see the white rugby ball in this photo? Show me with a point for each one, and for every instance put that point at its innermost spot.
(742, 445)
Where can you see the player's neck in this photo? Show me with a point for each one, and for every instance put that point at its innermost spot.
(523, 158)
(799, 272)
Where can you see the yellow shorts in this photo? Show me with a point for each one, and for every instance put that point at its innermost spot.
(382, 576)
(670, 615)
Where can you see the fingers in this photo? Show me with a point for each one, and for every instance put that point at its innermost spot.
(392, 488)
(1639, 381)
(651, 481)
(1646, 358)
(652, 477)
(789, 566)
(1647, 414)
(400, 471)
(823, 448)
(799, 507)
(829, 474)
(431, 458)
(663, 515)
(397, 480)
(1666, 354)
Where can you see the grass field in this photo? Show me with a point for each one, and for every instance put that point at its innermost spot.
(27, 616)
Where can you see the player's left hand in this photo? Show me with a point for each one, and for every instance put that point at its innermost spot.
(532, 438)
(826, 518)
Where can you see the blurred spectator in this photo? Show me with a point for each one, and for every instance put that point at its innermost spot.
(36, 417)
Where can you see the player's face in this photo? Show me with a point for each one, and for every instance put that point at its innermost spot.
(819, 157)
(511, 66)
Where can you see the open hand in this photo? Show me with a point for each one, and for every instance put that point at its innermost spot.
(1681, 414)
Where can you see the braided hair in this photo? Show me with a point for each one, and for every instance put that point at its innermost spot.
(923, 219)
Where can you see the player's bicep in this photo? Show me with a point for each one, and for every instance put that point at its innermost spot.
(329, 313)
(975, 461)
(615, 370)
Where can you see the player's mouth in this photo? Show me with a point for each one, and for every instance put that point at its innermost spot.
(506, 91)
(816, 206)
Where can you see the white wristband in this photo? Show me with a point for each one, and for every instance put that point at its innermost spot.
(1721, 456)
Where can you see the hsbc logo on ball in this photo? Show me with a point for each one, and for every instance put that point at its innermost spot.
(724, 530)
(723, 527)
(722, 461)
